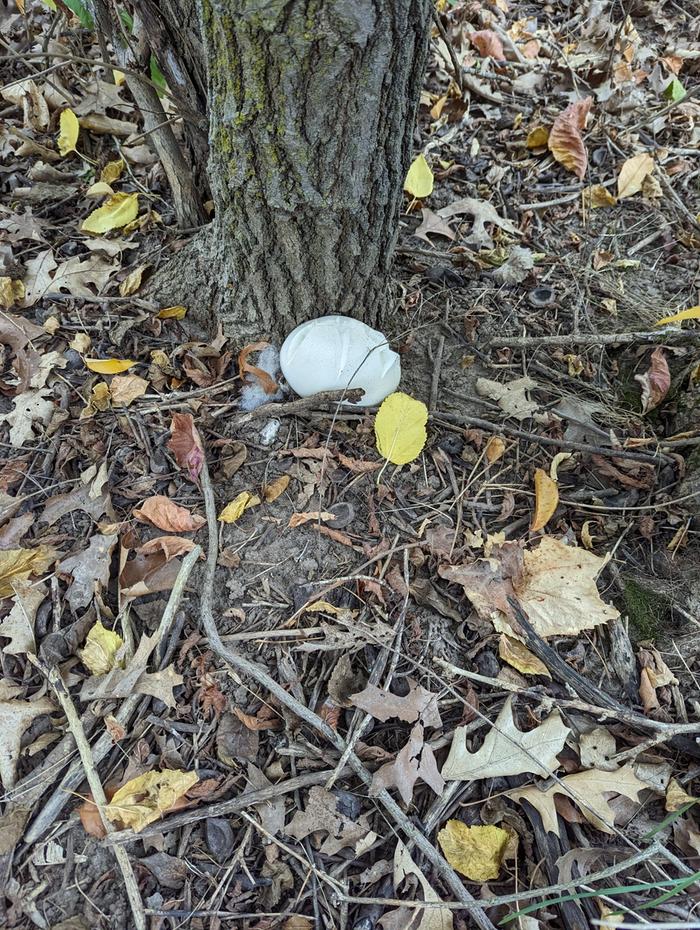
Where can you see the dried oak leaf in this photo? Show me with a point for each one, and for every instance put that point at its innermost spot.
(408, 875)
(85, 497)
(17, 565)
(322, 814)
(511, 396)
(89, 570)
(167, 515)
(565, 141)
(418, 705)
(186, 445)
(507, 750)
(15, 717)
(482, 212)
(18, 625)
(416, 760)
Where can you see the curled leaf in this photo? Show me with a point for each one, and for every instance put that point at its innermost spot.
(692, 313)
(267, 382)
(147, 797)
(100, 651)
(399, 428)
(186, 445)
(167, 515)
(546, 500)
(655, 382)
(273, 490)
(565, 140)
(487, 44)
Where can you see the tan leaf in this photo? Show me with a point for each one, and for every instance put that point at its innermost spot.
(417, 705)
(125, 389)
(11, 292)
(298, 519)
(275, 488)
(507, 750)
(494, 449)
(167, 515)
(90, 570)
(510, 396)
(565, 140)
(589, 790)
(597, 197)
(132, 282)
(476, 852)
(433, 918)
(546, 500)
(321, 814)
(171, 546)
(144, 799)
(514, 653)
(433, 224)
(677, 797)
(416, 760)
(18, 625)
(15, 718)
(16, 565)
(633, 173)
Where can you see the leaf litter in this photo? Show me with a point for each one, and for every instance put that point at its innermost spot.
(387, 552)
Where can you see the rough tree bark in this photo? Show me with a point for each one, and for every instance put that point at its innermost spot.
(312, 107)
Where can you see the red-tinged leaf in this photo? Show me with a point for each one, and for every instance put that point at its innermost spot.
(186, 444)
(487, 44)
(268, 384)
(565, 140)
(169, 546)
(655, 382)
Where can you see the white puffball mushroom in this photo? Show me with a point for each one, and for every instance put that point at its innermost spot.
(335, 353)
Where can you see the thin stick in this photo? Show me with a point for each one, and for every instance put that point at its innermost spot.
(412, 833)
(596, 339)
(81, 741)
(459, 78)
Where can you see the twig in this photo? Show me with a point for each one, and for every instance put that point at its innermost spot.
(595, 339)
(462, 418)
(459, 78)
(76, 727)
(70, 781)
(298, 406)
(437, 367)
(243, 665)
(672, 106)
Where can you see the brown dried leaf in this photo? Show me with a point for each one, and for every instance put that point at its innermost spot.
(565, 141)
(148, 573)
(125, 389)
(433, 224)
(268, 384)
(655, 382)
(170, 546)
(89, 569)
(416, 760)
(546, 500)
(633, 174)
(487, 44)
(321, 814)
(275, 488)
(298, 519)
(167, 515)
(186, 445)
(417, 705)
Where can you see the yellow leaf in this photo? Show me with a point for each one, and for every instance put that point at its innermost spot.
(118, 211)
(69, 131)
(546, 500)
(633, 173)
(235, 508)
(132, 282)
(514, 653)
(494, 449)
(476, 852)
(119, 77)
(597, 196)
(399, 428)
(273, 490)
(586, 537)
(109, 366)
(100, 400)
(100, 651)
(99, 189)
(692, 313)
(126, 388)
(145, 798)
(11, 292)
(50, 4)
(323, 607)
(537, 138)
(556, 462)
(437, 107)
(676, 797)
(419, 180)
(172, 313)
(19, 564)
(112, 171)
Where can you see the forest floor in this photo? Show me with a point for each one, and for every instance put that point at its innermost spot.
(469, 683)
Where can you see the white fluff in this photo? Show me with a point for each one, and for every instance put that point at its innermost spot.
(335, 353)
(252, 393)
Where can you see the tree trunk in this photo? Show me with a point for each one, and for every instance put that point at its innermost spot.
(311, 111)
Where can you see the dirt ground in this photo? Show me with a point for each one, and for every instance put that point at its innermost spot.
(342, 572)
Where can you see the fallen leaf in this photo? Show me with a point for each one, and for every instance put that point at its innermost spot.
(69, 132)
(98, 190)
(399, 428)
(170, 546)
(37, 278)
(275, 488)
(417, 705)
(597, 197)
(482, 212)
(144, 799)
(17, 565)
(108, 366)
(172, 313)
(433, 918)
(298, 519)
(15, 718)
(112, 171)
(516, 268)
(655, 382)
(590, 791)
(123, 680)
(507, 750)
(82, 278)
(85, 497)
(692, 313)
(433, 224)
(27, 95)
(118, 211)
(514, 653)
(511, 396)
(234, 509)
(488, 44)
(167, 515)
(632, 175)
(546, 500)
(89, 570)
(266, 381)
(132, 282)
(476, 852)
(125, 389)
(99, 654)
(419, 179)
(494, 449)
(186, 445)
(321, 813)
(565, 141)
(677, 797)
(416, 760)
(11, 292)
(30, 408)
(18, 625)
(537, 137)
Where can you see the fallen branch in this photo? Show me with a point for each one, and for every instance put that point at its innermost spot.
(595, 339)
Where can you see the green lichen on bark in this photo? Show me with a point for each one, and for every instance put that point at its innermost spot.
(312, 107)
